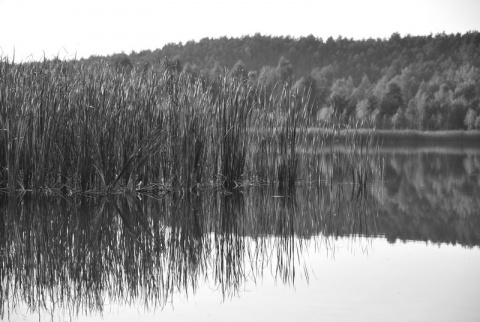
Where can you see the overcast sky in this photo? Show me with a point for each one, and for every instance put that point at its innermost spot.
(102, 27)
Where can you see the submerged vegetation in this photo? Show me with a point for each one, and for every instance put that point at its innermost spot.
(70, 127)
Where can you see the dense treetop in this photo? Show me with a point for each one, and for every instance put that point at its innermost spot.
(371, 57)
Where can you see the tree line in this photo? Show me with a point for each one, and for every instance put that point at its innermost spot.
(412, 82)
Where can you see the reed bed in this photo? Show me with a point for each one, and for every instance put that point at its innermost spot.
(73, 127)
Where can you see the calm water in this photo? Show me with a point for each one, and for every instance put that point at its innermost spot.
(406, 247)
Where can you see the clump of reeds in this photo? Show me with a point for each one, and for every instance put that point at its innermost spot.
(76, 127)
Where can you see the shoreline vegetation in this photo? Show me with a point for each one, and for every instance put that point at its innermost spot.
(417, 137)
(69, 128)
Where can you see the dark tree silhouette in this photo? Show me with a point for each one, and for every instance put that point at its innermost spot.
(392, 100)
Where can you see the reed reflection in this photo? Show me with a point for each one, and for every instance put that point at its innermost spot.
(71, 254)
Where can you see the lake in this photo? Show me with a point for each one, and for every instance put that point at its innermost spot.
(404, 247)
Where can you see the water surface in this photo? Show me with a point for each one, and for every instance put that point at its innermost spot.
(406, 247)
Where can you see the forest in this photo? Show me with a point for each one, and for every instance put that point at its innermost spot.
(412, 82)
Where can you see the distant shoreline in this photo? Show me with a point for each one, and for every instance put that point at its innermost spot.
(410, 137)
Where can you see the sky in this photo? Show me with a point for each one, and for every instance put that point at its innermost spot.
(32, 29)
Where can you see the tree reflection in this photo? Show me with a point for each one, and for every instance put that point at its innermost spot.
(431, 197)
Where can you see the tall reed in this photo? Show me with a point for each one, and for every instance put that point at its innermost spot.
(88, 127)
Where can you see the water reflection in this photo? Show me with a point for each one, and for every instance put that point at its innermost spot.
(431, 196)
(74, 252)
(71, 254)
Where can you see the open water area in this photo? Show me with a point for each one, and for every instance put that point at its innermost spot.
(405, 247)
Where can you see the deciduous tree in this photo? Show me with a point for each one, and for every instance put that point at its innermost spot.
(392, 100)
